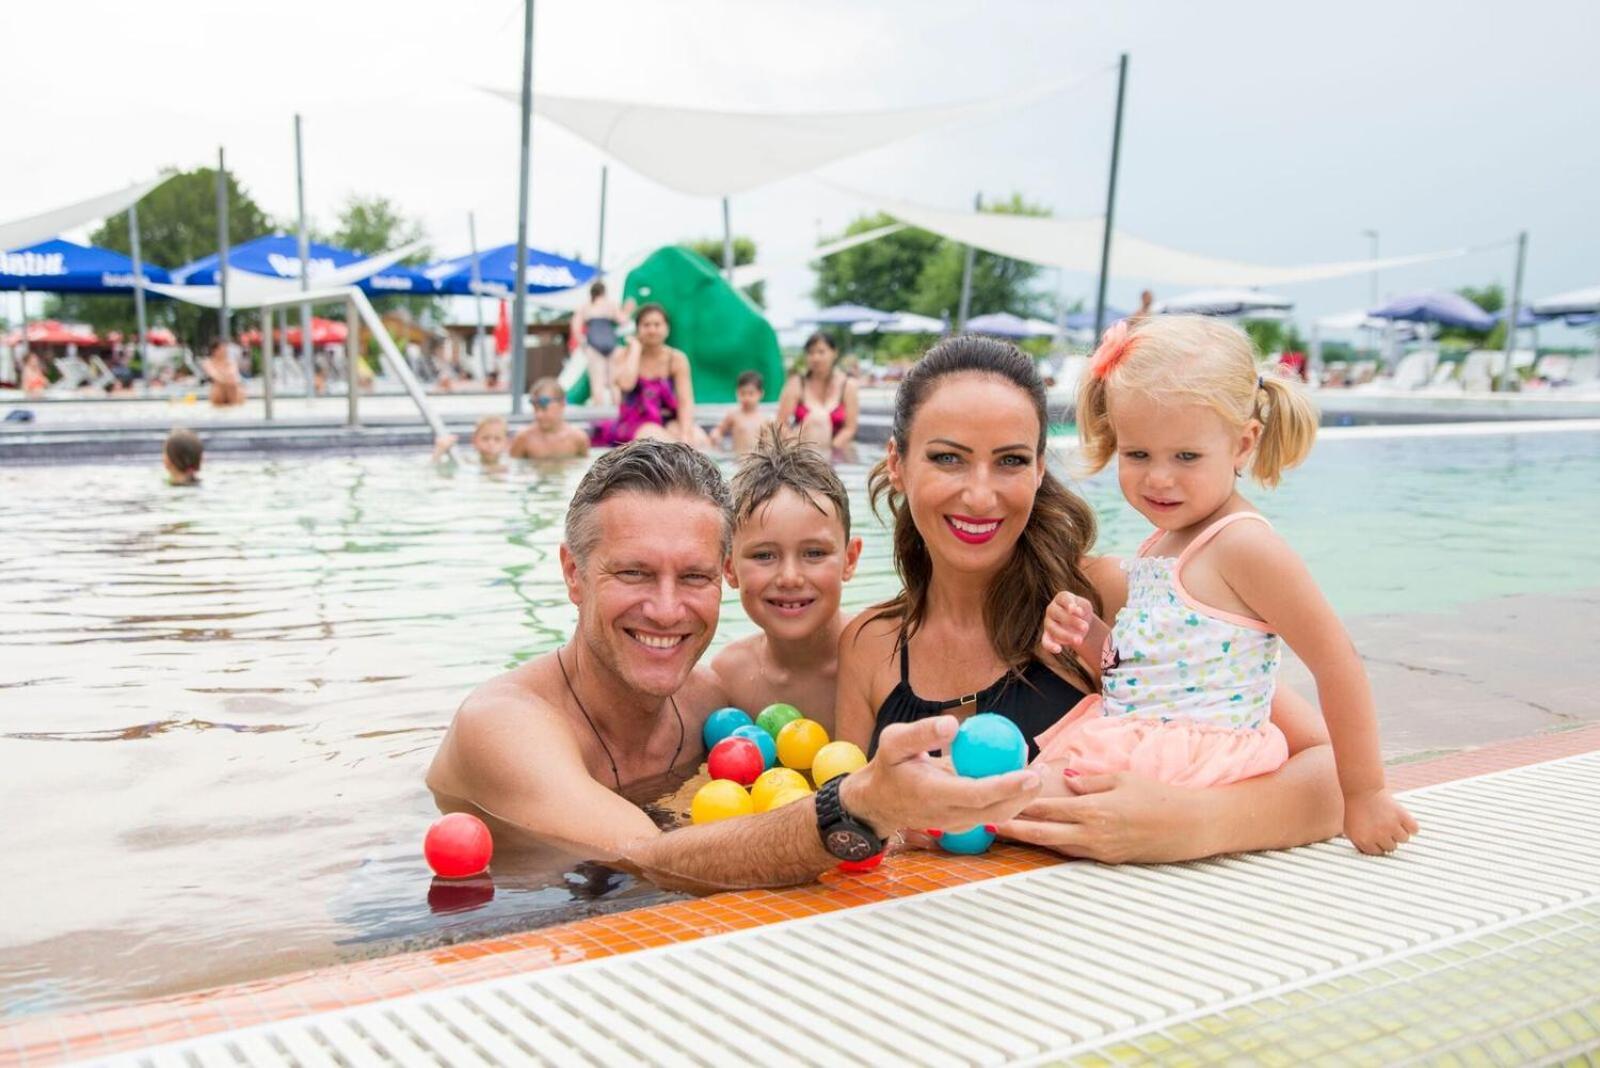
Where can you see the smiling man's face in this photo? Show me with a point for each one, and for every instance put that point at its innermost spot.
(649, 594)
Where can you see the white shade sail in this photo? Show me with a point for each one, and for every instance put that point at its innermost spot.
(1074, 245)
(751, 273)
(1576, 302)
(717, 153)
(1224, 302)
(35, 228)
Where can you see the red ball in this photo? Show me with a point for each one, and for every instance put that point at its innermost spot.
(458, 846)
(860, 867)
(738, 759)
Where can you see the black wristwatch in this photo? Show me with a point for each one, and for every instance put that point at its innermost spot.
(842, 835)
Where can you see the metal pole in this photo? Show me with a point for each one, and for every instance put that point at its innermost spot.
(1111, 199)
(1516, 309)
(352, 358)
(727, 243)
(477, 285)
(519, 315)
(222, 246)
(307, 356)
(138, 291)
(966, 275)
(22, 345)
(266, 361)
(1373, 236)
(600, 247)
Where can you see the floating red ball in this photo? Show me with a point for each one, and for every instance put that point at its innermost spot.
(736, 758)
(458, 846)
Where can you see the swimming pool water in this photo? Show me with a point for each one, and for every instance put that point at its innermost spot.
(216, 704)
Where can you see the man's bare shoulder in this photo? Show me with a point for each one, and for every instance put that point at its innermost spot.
(506, 707)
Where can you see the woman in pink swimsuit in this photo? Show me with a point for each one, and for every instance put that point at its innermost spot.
(657, 395)
(824, 403)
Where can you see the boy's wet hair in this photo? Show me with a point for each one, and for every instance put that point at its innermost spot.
(183, 450)
(489, 420)
(547, 384)
(782, 460)
(751, 378)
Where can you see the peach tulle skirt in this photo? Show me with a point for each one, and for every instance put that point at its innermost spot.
(1180, 752)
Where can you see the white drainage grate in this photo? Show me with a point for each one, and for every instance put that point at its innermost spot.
(1295, 952)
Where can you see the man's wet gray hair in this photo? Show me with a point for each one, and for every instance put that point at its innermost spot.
(655, 468)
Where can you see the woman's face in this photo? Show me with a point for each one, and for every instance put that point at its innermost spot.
(970, 470)
(819, 359)
(652, 330)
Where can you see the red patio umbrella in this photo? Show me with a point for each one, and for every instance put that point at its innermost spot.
(323, 332)
(502, 332)
(51, 332)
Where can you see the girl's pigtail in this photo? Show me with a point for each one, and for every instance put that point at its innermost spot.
(1094, 424)
(1289, 426)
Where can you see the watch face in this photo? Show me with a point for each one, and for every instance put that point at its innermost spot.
(847, 844)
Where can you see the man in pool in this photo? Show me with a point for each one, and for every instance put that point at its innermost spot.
(553, 745)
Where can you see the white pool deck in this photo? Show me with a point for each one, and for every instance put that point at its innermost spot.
(1478, 943)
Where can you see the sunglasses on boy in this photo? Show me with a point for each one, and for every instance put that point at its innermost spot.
(544, 402)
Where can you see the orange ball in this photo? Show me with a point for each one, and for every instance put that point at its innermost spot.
(798, 743)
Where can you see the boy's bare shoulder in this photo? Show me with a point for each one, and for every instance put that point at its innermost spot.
(738, 656)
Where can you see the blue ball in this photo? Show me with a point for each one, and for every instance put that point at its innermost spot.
(972, 841)
(988, 744)
(723, 722)
(763, 740)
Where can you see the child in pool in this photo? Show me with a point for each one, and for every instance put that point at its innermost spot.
(792, 554)
(549, 436)
(1189, 668)
(181, 455)
(740, 429)
(488, 438)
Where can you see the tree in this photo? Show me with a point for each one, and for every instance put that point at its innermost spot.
(744, 251)
(998, 284)
(373, 224)
(177, 224)
(913, 270)
(880, 274)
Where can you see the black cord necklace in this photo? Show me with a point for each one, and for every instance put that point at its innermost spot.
(615, 774)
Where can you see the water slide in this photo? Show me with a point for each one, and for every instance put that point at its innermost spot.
(723, 333)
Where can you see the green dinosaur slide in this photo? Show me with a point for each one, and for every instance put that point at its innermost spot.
(723, 333)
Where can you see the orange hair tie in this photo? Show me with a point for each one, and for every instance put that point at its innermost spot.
(1114, 348)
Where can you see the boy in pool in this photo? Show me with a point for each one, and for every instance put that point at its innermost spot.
(549, 436)
(488, 438)
(792, 554)
(740, 429)
(181, 457)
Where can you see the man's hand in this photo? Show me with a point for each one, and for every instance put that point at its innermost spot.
(905, 787)
(1376, 823)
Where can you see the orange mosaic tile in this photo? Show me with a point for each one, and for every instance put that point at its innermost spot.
(53, 1039)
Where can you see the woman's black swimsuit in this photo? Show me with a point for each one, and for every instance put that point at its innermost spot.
(1033, 700)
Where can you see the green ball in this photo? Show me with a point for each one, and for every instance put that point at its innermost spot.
(774, 718)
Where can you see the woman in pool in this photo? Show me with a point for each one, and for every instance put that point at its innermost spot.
(657, 396)
(984, 536)
(824, 403)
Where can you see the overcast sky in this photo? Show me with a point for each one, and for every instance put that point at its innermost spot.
(1268, 132)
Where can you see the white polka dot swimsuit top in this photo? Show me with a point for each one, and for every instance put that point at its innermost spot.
(1172, 656)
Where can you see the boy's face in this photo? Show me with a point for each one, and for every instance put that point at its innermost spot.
(749, 398)
(490, 441)
(549, 411)
(790, 562)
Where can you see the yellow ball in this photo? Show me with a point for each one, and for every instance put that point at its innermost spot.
(798, 743)
(719, 799)
(835, 759)
(792, 793)
(772, 782)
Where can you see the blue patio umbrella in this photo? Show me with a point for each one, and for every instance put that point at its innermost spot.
(278, 256)
(57, 266)
(847, 315)
(1525, 317)
(1441, 307)
(497, 273)
(1084, 320)
(1001, 324)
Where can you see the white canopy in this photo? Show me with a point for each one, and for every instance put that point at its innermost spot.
(718, 153)
(1577, 302)
(751, 273)
(1074, 245)
(35, 228)
(248, 290)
